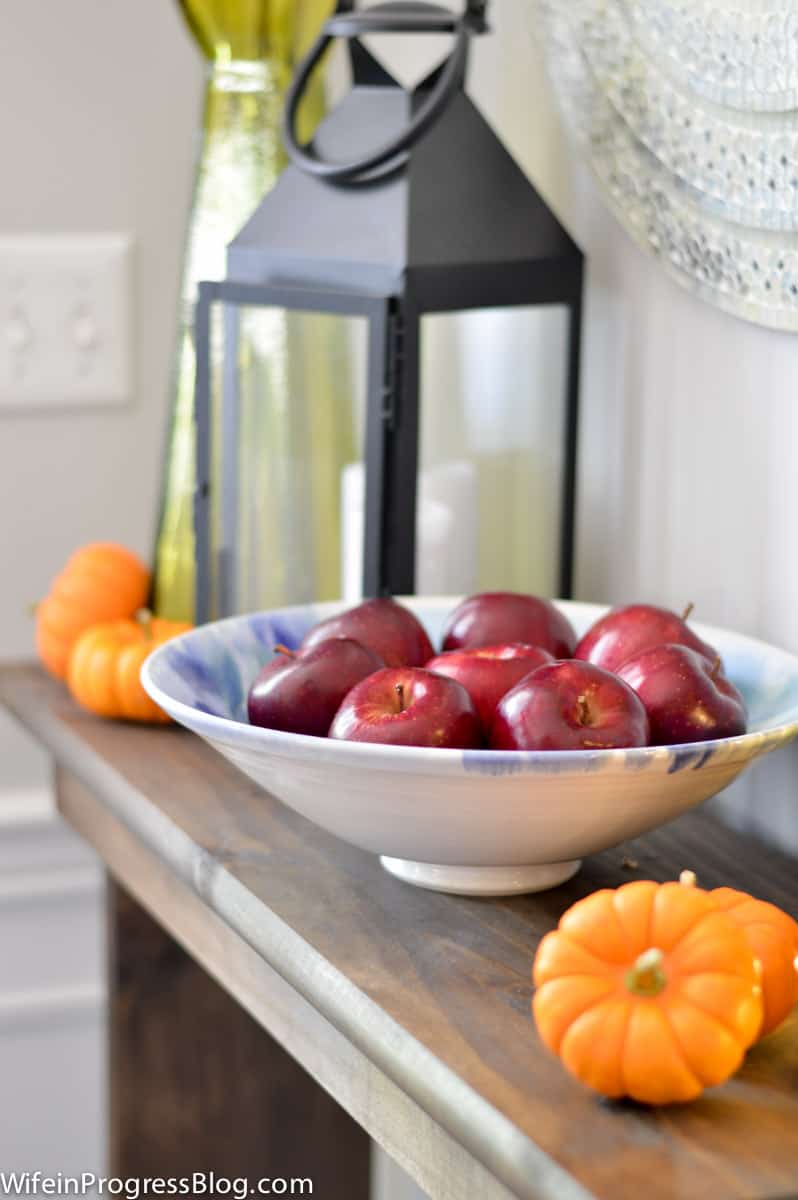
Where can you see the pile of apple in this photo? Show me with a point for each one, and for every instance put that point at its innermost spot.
(510, 676)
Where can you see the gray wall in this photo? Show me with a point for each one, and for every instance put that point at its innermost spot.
(98, 107)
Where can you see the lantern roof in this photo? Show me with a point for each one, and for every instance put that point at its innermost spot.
(460, 226)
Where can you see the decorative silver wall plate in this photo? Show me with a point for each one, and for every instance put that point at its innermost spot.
(689, 114)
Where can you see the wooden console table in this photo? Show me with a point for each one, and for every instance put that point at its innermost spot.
(409, 1009)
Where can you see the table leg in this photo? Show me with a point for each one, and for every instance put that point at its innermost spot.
(197, 1085)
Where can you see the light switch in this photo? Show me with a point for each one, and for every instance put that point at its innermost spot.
(65, 320)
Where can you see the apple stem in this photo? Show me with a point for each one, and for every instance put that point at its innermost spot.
(713, 675)
(281, 649)
(687, 611)
(400, 691)
(583, 711)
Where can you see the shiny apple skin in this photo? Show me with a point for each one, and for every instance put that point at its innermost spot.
(488, 672)
(434, 711)
(569, 705)
(686, 697)
(301, 693)
(492, 618)
(626, 632)
(386, 627)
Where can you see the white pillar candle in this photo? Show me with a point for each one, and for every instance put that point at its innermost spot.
(446, 530)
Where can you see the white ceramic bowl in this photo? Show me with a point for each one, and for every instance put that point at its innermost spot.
(476, 822)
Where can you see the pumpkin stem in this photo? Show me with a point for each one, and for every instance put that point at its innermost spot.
(144, 618)
(646, 976)
(687, 611)
(32, 608)
(688, 879)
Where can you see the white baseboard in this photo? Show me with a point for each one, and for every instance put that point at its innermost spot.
(389, 1181)
(33, 836)
(47, 887)
(53, 1106)
(50, 1009)
(52, 934)
(52, 990)
(26, 806)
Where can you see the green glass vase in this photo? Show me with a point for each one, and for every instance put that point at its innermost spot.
(250, 47)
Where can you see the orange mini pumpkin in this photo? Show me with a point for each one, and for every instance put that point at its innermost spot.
(105, 665)
(100, 582)
(648, 991)
(773, 936)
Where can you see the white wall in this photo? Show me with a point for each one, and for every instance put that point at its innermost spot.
(98, 106)
(689, 437)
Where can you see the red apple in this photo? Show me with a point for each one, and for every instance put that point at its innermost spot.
(301, 692)
(569, 706)
(492, 618)
(386, 627)
(406, 706)
(623, 633)
(687, 698)
(489, 671)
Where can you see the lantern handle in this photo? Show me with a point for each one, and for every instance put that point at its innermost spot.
(411, 17)
(475, 12)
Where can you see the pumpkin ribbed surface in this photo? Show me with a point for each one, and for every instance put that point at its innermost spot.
(647, 991)
(773, 937)
(105, 666)
(100, 582)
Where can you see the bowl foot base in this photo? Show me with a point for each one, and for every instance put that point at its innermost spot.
(481, 881)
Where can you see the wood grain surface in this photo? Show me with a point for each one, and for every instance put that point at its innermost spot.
(448, 978)
(439, 1165)
(197, 1086)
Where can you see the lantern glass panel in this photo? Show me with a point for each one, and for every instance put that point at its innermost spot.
(491, 451)
(287, 413)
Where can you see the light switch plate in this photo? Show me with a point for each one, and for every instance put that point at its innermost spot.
(65, 320)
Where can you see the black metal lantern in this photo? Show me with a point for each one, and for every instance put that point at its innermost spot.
(439, 219)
